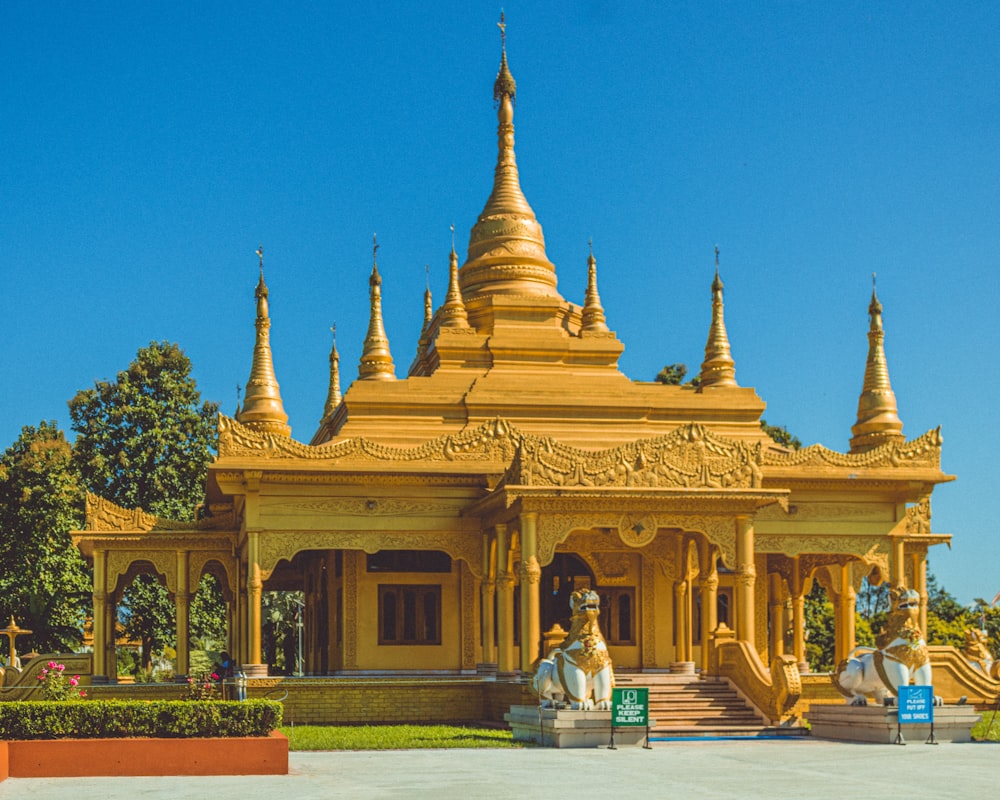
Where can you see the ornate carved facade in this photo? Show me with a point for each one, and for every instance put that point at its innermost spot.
(440, 521)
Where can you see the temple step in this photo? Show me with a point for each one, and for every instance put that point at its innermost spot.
(685, 705)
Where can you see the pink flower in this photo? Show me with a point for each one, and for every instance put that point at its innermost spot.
(52, 665)
(76, 677)
(73, 681)
(83, 694)
(41, 677)
(60, 667)
(215, 676)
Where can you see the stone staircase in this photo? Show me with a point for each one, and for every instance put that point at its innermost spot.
(688, 706)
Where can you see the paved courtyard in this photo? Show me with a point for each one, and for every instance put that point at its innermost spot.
(737, 770)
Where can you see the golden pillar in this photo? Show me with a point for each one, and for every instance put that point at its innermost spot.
(332, 612)
(920, 579)
(100, 613)
(255, 587)
(708, 582)
(488, 599)
(745, 578)
(798, 590)
(846, 605)
(898, 566)
(505, 603)
(182, 603)
(681, 617)
(531, 580)
(776, 616)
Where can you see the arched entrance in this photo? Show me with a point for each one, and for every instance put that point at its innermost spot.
(567, 573)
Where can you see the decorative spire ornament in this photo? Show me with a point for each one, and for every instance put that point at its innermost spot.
(333, 395)
(506, 245)
(592, 317)
(376, 360)
(718, 368)
(878, 420)
(453, 313)
(262, 407)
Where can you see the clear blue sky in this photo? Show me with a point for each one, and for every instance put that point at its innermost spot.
(146, 149)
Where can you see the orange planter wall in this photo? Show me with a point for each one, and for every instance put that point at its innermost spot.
(70, 758)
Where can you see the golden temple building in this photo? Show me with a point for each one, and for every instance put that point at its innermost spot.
(438, 520)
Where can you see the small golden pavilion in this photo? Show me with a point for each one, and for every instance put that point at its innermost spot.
(437, 523)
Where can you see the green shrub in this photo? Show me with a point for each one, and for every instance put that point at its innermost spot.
(119, 719)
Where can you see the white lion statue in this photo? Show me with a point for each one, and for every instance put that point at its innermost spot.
(901, 657)
(578, 671)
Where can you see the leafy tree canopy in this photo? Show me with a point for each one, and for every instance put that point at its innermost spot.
(44, 582)
(781, 435)
(145, 439)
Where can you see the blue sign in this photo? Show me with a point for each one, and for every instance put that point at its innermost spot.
(916, 704)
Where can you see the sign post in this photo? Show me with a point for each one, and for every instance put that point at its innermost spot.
(916, 707)
(629, 709)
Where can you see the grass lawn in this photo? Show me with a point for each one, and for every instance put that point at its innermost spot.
(395, 737)
(983, 731)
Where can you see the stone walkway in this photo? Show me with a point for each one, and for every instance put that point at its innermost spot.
(735, 770)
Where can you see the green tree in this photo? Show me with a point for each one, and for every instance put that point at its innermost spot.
(820, 630)
(44, 582)
(672, 374)
(145, 440)
(781, 435)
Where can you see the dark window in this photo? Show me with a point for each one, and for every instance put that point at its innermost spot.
(409, 561)
(409, 614)
(618, 615)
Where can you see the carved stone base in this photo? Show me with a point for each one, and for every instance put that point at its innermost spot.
(565, 728)
(878, 724)
(682, 668)
(255, 670)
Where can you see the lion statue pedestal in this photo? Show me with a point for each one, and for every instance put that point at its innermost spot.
(573, 683)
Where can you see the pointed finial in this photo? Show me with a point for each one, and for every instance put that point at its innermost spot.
(262, 406)
(239, 390)
(376, 360)
(878, 419)
(592, 319)
(718, 368)
(333, 395)
(505, 84)
(453, 313)
(428, 303)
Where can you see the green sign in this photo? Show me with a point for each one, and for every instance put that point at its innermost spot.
(630, 707)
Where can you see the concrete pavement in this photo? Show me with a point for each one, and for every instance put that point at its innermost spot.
(736, 770)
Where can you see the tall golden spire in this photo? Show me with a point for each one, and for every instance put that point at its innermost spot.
(506, 245)
(333, 395)
(718, 368)
(592, 318)
(453, 313)
(376, 360)
(878, 418)
(262, 407)
(425, 330)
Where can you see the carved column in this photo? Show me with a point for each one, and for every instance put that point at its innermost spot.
(745, 578)
(182, 603)
(255, 586)
(920, 579)
(332, 612)
(505, 604)
(531, 579)
(487, 599)
(846, 604)
(111, 636)
(100, 613)
(681, 617)
(898, 566)
(776, 616)
(798, 590)
(708, 582)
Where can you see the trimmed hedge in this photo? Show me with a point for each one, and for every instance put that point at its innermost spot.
(120, 719)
